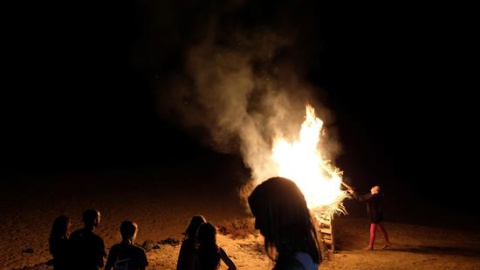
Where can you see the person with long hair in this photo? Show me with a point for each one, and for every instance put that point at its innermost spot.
(59, 244)
(375, 214)
(283, 218)
(186, 256)
(209, 253)
(126, 255)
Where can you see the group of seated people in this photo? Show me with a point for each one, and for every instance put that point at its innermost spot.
(85, 250)
(280, 212)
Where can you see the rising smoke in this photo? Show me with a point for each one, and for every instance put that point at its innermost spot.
(235, 72)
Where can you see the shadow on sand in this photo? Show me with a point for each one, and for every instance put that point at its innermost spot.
(460, 251)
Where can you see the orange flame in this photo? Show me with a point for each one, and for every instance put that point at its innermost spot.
(302, 162)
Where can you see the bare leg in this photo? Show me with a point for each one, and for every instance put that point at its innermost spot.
(385, 236)
(372, 237)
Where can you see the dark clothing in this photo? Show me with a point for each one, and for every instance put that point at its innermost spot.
(125, 256)
(60, 250)
(186, 257)
(209, 258)
(88, 250)
(372, 201)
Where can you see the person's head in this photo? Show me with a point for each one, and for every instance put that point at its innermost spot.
(192, 228)
(283, 218)
(375, 190)
(60, 228)
(207, 234)
(91, 218)
(128, 230)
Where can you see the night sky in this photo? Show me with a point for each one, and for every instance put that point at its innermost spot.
(81, 94)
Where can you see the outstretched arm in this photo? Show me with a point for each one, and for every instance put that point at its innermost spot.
(227, 260)
(362, 198)
(359, 197)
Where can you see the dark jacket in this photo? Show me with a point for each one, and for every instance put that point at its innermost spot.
(372, 201)
(88, 250)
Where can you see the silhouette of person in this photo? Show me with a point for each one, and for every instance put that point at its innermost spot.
(283, 218)
(187, 254)
(59, 244)
(88, 249)
(126, 255)
(209, 253)
(374, 212)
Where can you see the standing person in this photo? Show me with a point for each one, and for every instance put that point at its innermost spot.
(88, 249)
(59, 244)
(126, 255)
(375, 214)
(209, 253)
(187, 255)
(283, 218)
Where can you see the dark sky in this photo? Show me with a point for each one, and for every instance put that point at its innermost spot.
(396, 77)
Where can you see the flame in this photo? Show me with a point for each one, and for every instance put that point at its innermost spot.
(302, 162)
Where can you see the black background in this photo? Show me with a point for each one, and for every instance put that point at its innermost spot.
(397, 78)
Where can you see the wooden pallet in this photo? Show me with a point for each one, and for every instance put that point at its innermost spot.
(327, 233)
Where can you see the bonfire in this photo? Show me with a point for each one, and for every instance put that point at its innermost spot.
(303, 162)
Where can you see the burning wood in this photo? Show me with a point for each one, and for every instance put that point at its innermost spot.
(303, 162)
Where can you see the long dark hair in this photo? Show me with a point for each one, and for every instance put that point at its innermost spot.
(284, 219)
(60, 231)
(208, 251)
(195, 222)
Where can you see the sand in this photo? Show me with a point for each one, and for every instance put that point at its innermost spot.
(31, 203)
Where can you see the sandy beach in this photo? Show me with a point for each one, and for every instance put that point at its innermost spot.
(163, 208)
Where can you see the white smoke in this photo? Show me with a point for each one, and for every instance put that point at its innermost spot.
(239, 87)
